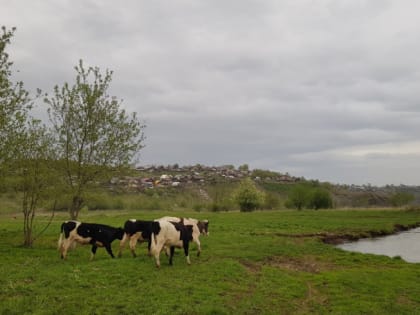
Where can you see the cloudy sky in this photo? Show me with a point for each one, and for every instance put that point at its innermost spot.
(325, 89)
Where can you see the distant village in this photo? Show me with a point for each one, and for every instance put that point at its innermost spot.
(155, 176)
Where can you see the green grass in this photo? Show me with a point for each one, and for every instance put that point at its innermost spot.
(252, 263)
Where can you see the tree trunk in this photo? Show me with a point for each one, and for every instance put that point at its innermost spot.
(75, 207)
(28, 216)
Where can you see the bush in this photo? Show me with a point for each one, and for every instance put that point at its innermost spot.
(271, 201)
(198, 207)
(304, 196)
(247, 196)
(400, 199)
(298, 197)
(101, 201)
(319, 199)
(217, 206)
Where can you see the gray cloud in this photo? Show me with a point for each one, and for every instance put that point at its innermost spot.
(324, 89)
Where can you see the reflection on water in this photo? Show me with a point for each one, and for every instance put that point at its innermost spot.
(404, 244)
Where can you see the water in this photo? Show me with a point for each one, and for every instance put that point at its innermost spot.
(405, 244)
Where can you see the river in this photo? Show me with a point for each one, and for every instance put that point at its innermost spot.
(404, 244)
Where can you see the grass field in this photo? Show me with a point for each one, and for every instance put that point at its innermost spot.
(252, 263)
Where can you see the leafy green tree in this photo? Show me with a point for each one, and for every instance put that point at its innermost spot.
(244, 168)
(271, 201)
(24, 143)
(309, 195)
(32, 165)
(247, 196)
(14, 104)
(298, 197)
(93, 132)
(400, 199)
(319, 198)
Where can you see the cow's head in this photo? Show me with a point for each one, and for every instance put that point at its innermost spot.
(119, 233)
(203, 226)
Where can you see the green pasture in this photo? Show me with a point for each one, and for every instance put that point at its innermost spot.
(271, 262)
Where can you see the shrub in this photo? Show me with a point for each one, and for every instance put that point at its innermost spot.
(247, 196)
(400, 199)
(102, 201)
(216, 206)
(271, 201)
(198, 207)
(298, 197)
(304, 196)
(319, 199)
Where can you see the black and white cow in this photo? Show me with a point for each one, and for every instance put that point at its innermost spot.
(136, 231)
(170, 234)
(199, 228)
(98, 235)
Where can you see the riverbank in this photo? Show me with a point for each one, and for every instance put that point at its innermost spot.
(336, 239)
(251, 262)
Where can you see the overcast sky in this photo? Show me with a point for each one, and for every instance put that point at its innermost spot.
(325, 89)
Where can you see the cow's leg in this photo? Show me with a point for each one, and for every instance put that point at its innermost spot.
(186, 244)
(171, 255)
(94, 248)
(65, 247)
(109, 249)
(157, 259)
(149, 245)
(197, 241)
(61, 248)
(133, 241)
(155, 251)
(122, 244)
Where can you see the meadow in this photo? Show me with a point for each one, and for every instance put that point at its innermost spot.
(264, 262)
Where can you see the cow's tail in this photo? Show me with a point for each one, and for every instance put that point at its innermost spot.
(153, 239)
(60, 239)
(155, 231)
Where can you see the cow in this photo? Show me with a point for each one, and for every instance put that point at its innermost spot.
(98, 235)
(199, 228)
(170, 234)
(135, 231)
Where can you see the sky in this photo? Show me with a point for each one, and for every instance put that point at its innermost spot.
(321, 89)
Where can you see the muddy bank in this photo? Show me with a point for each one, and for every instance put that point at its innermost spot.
(335, 239)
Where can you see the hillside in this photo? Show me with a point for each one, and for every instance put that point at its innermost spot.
(208, 178)
(207, 188)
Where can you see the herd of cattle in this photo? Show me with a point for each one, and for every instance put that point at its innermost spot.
(162, 234)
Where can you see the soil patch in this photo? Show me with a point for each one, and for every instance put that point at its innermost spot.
(306, 263)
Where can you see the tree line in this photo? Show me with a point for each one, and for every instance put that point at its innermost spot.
(88, 133)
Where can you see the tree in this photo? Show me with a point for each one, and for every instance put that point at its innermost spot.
(14, 104)
(93, 132)
(32, 165)
(244, 168)
(319, 199)
(402, 198)
(248, 196)
(23, 141)
(298, 197)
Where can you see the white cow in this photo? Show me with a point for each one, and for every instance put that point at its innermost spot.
(199, 228)
(170, 234)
